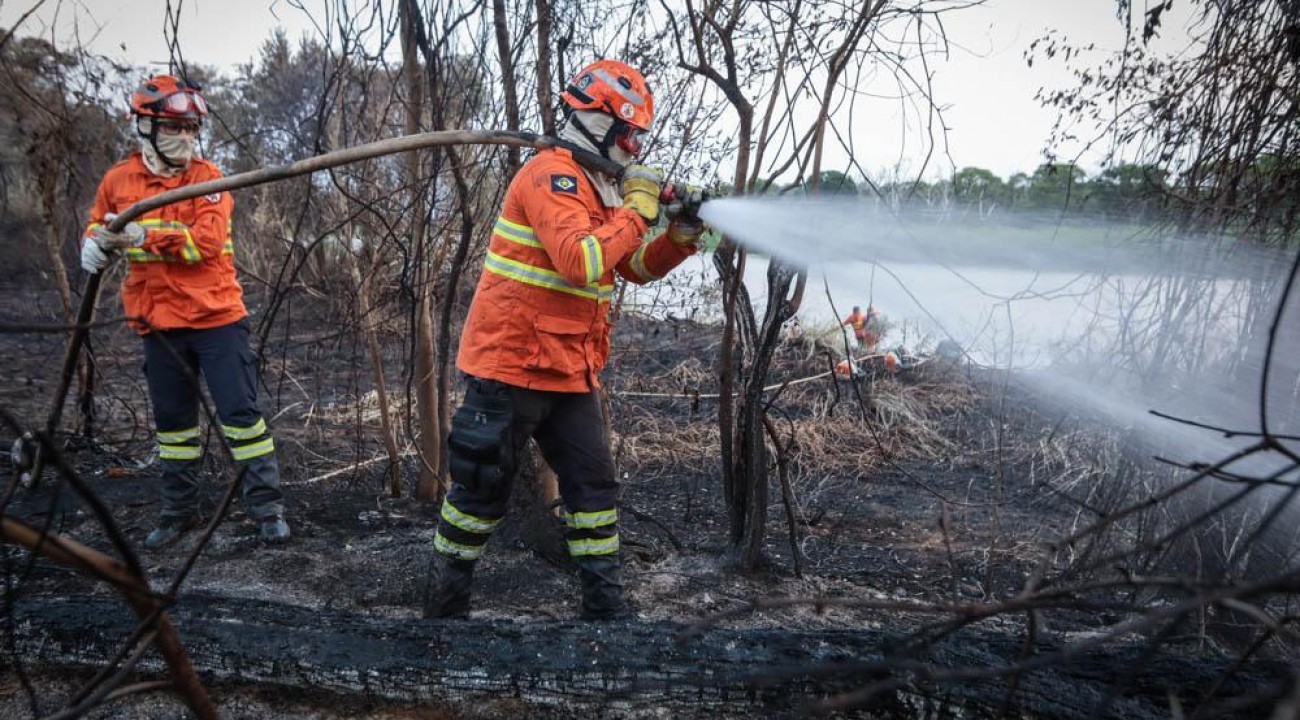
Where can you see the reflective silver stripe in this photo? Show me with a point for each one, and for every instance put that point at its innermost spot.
(180, 452)
(468, 523)
(257, 449)
(455, 549)
(245, 433)
(583, 520)
(628, 94)
(541, 277)
(177, 436)
(604, 546)
(515, 232)
(593, 256)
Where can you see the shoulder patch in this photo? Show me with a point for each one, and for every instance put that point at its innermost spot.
(214, 198)
(564, 184)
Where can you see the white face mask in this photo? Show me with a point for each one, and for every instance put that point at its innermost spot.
(179, 149)
(598, 124)
(621, 156)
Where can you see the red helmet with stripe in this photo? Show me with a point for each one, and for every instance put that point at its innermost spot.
(614, 88)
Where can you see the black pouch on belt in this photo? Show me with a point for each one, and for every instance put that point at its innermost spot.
(478, 437)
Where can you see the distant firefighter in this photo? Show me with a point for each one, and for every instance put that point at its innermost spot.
(867, 327)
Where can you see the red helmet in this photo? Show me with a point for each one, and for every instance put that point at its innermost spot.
(614, 88)
(163, 96)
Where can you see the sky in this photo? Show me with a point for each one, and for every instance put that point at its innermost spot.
(985, 85)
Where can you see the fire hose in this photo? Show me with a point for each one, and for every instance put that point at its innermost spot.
(25, 454)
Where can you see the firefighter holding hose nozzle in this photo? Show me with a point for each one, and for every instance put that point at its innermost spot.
(537, 336)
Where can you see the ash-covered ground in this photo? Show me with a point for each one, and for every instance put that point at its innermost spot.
(925, 486)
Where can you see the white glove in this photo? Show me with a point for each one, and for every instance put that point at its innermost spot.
(132, 236)
(93, 257)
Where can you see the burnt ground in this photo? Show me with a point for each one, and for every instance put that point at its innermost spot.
(946, 496)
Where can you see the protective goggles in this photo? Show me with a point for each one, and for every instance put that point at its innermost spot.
(181, 102)
(629, 139)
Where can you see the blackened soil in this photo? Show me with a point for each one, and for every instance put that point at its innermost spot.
(924, 493)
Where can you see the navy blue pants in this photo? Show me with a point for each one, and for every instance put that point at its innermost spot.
(174, 360)
(488, 433)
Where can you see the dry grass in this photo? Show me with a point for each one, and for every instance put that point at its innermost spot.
(900, 417)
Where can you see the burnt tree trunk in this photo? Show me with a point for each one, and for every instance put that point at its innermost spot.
(573, 669)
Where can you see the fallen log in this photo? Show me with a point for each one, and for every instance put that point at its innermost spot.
(624, 669)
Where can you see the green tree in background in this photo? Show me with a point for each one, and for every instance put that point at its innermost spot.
(978, 186)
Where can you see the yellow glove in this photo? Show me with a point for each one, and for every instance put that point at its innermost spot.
(641, 188)
(685, 232)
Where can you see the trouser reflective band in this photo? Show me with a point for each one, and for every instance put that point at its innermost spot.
(179, 444)
(592, 533)
(462, 535)
(249, 442)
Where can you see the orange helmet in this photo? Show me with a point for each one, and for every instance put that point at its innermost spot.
(614, 88)
(163, 96)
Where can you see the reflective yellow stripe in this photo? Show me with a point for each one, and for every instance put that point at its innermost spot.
(593, 257)
(468, 523)
(591, 519)
(228, 248)
(542, 277)
(463, 552)
(245, 433)
(140, 255)
(189, 254)
(257, 449)
(177, 436)
(605, 546)
(515, 232)
(161, 224)
(638, 264)
(180, 452)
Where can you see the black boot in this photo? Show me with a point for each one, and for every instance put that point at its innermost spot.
(169, 530)
(273, 530)
(446, 592)
(602, 588)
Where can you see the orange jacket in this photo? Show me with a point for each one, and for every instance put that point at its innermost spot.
(858, 321)
(184, 276)
(539, 315)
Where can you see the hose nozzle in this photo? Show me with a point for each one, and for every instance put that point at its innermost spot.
(682, 202)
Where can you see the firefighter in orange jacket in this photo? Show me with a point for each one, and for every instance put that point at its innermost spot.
(863, 324)
(183, 298)
(537, 336)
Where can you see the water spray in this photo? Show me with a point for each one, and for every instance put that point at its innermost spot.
(1104, 319)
